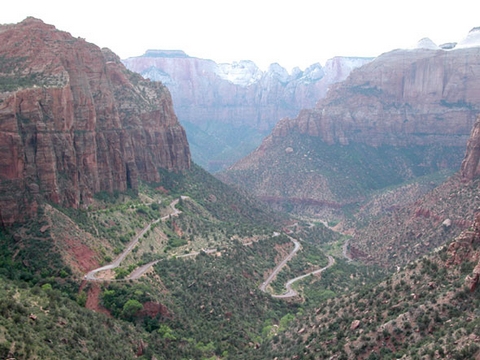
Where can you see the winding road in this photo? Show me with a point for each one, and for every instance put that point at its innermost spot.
(345, 251)
(138, 272)
(290, 291)
(280, 266)
(91, 276)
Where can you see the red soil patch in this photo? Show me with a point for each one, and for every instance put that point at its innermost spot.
(152, 309)
(93, 299)
(81, 255)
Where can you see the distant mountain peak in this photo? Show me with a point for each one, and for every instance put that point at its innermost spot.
(166, 54)
(471, 40)
(242, 73)
(427, 43)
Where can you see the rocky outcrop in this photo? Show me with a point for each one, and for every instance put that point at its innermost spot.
(74, 121)
(402, 98)
(471, 163)
(235, 105)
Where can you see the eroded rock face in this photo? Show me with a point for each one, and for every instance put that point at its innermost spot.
(471, 163)
(408, 113)
(239, 93)
(212, 100)
(74, 121)
(402, 98)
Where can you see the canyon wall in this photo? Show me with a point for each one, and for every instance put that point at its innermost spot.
(402, 98)
(408, 113)
(227, 109)
(74, 121)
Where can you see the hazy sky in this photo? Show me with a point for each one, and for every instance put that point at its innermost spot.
(291, 33)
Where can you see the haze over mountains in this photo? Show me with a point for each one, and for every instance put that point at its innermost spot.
(114, 244)
(227, 109)
(407, 113)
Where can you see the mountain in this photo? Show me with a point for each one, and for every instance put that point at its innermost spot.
(408, 113)
(95, 170)
(167, 262)
(74, 121)
(401, 233)
(227, 109)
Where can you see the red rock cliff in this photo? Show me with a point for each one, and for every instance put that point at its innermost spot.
(402, 98)
(74, 121)
(471, 163)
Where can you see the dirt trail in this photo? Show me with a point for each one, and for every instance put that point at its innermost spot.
(93, 299)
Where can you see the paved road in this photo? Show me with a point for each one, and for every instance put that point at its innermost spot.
(290, 292)
(280, 266)
(91, 276)
(345, 251)
(138, 272)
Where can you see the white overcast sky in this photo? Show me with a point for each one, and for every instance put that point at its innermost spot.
(291, 33)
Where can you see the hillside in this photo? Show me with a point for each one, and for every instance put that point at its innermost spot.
(426, 310)
(113, 244)
(392, 235)
(199, 296)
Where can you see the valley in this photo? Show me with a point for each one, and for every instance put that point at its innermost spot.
(343, 224)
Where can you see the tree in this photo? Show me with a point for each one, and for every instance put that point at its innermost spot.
(131, 307)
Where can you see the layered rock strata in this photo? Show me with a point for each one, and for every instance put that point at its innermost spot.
(228, 108)
(417, 104)
(74, 121)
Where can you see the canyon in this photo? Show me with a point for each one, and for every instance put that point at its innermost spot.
(407, 113)
(227, 109)
(95, 169)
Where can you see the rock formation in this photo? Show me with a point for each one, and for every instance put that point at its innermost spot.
(402, 98)
(74, 121)
(414, 229)
(235, 105)
(471, 163)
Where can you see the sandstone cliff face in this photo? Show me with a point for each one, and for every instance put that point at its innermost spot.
(471, 163)
(212, 100)
(402, 98)
(239, 93)
(74, 121)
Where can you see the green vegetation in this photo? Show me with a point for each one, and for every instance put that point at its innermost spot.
(339, 174)
(42, 323)
(209, 305)
(423, 311)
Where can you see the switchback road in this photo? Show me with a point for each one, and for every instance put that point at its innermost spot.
(280, 266)
(91, 276)
(290, 292)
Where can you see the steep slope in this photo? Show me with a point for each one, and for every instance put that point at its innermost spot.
(74, 121)
(402, 234)
(426, 310)
(405, 114)
(228, 108)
